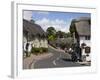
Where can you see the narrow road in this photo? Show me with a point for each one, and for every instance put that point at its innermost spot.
(59, 59)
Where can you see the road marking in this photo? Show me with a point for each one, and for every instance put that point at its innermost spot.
(54, 62)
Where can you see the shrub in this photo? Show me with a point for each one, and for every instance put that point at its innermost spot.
(35, 50)
(32, 50)
(39, 50)
(44, 49)
(62, 46)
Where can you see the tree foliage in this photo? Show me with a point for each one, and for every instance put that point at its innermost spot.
(72, 27)
(61, 34)
(53, 36)
(51, 33)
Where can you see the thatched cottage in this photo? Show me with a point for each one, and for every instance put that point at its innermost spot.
(34, 34)
(83, 33)
(84, 30)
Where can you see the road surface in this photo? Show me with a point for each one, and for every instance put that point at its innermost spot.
(59, 59)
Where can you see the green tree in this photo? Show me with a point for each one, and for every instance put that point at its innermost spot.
(72, 28)
(51, 33)
(51, 30)
(68, 34)
(59, 34)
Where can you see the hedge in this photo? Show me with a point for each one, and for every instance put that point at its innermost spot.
(39, 50)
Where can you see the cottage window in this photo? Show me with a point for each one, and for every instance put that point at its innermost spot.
(87, 37)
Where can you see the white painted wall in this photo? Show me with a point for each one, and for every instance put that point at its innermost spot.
(45, 43)
(88, 43)
(36, 43)
(40, 43)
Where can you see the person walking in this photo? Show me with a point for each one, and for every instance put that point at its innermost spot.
(80, 54)
(28, 49)
(78, 51)
(27, 44)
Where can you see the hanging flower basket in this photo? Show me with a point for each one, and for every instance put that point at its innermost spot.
(83, 45)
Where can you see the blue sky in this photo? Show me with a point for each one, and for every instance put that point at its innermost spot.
(58, 20)
(57, 15)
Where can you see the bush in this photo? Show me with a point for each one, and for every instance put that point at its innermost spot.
(39, 50)
(44, 49)
(62, 46)
(35, 50)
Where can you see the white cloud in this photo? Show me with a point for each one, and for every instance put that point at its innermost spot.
(57, 24)
(27, 15)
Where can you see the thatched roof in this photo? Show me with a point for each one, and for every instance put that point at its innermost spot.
(83, 26)
(82, 19)
(32, 28)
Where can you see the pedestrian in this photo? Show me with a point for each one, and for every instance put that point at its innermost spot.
(80, 54)
(27, 45)
(73, 56)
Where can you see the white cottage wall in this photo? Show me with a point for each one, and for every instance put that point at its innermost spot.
(36, 43)
(88, 43)
(45, 43)
(41, 43)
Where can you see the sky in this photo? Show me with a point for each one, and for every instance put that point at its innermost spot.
(58, 20)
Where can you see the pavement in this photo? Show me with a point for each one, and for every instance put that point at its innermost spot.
(29, 61)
